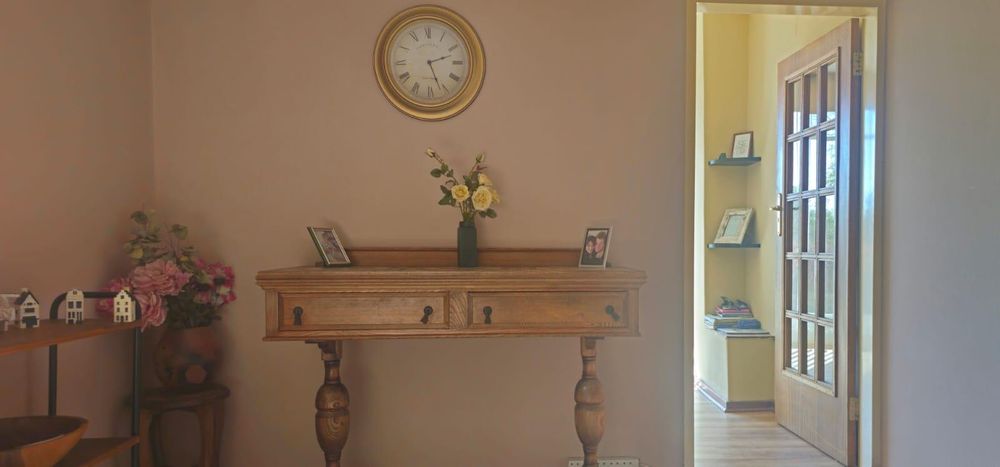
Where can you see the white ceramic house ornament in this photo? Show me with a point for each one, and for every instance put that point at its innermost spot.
(124, 307)
(27, 309)
(74, 306)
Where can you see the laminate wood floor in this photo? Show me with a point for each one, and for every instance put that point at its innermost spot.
(748, 439)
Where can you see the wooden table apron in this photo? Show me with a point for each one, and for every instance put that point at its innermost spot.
(329, 305)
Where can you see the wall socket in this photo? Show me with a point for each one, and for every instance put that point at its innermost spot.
(610, 462)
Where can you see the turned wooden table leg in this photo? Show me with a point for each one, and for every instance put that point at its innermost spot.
(333, 419)
(589, 403)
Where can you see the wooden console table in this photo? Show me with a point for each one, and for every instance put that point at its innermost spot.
(417, 293)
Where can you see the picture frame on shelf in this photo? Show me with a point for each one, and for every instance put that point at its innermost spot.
(742, 145)
(734, 226)
(331, 249)
(596, 245)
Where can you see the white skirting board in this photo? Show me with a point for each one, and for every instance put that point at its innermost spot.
(610, 462)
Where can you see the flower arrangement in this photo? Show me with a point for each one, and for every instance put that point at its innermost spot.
(171, 283)
(473, 195)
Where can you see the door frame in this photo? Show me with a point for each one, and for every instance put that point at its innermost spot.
(870, 215)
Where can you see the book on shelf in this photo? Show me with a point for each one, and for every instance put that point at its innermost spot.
(718, 322)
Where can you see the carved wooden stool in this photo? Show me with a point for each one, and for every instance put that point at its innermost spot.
(203, 401)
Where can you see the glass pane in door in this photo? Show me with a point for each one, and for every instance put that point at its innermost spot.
(813, 89)
(829, 290)
(830, 154)
(793, 340)
(811, 349)
(796, 152)
(829, 355)
(830, 72)
(813, 169)
(795, 96)
(830, 224)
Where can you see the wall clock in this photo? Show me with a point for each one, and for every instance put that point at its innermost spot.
(429, 62)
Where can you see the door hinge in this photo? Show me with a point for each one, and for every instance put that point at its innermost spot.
(857, 63)
(853, 409)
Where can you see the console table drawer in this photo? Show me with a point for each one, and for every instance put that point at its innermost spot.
(362, 311)
(549, 309)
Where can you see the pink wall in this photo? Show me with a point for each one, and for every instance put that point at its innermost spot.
(76, 158)
(268, 119)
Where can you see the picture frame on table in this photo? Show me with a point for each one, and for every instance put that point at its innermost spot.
(331, 249)
(596, 245)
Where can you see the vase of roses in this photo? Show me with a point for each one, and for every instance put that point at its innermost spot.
(178, 288)
(474, 195)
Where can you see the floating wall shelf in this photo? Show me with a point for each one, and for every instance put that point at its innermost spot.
(732, 162)
(721, 246)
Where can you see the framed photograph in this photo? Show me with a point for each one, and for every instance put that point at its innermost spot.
(596, 243)
(742, 145)
(733, 228)
(331, 250)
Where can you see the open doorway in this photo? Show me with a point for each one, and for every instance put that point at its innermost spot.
(783, 214)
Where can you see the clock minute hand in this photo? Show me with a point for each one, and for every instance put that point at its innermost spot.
(438, 59)
(430, 63)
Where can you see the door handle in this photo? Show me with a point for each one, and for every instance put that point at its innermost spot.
(780, 209)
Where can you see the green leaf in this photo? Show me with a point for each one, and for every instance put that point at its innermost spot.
(492, 214)
(446, 200)
(179, 231)
(436, 173)
(140, 217)
(445, 190)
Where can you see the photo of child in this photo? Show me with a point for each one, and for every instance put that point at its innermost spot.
(596, 242)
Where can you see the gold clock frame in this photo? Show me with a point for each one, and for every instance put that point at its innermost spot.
(397, 96)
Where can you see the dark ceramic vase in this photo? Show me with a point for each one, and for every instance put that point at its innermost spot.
(186, 357)
(468, 252)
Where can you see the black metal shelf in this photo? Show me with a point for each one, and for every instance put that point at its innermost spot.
(734, 162)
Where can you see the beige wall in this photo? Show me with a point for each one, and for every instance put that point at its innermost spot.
(942, 183)
(268, 119)
(76, 157)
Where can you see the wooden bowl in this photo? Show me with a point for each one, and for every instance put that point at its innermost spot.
(38, 441)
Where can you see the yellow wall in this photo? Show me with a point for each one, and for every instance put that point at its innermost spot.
(739, 59)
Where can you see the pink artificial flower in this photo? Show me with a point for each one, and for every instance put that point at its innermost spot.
(154, 313)
(159, 277)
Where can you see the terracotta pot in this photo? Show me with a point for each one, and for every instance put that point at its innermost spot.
(186, 357)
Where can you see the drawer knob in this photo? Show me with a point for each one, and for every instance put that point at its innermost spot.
(428, 310)
(610, 310)
(488, 312)
(297, 316)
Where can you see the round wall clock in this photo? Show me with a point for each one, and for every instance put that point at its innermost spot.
(429, 62)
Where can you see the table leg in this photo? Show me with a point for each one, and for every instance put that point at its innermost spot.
(145, 440)
(333, 419)
(589, 397)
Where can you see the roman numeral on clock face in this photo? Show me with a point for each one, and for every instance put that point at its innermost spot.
(430, 92)
(415, 89)
(457, 62)
(453, 47)
(404, 77)
(427, 32)
(414, 36)
(454, 76)
(401, 62)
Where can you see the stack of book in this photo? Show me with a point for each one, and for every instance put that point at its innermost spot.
(734, 317)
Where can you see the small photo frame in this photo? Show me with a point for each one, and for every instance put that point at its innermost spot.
(330, 248)
(742, 145)
(734, 225)
(596, 244)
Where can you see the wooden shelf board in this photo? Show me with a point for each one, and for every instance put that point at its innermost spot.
(734, 162)
(57, 332)
(720, 246)
(93, 451)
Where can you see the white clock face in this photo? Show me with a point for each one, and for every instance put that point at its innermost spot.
(429, 62)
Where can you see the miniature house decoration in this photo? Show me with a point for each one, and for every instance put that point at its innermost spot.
(124, 307)
(26, 306)
(7, 313)
(74, 306)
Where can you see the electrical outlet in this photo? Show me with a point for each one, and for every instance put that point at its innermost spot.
(609, 462)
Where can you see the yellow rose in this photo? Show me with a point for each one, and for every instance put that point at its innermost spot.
(496, 196)
(460, 193)
(430, 153)
(482, 198)
(484, 180)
